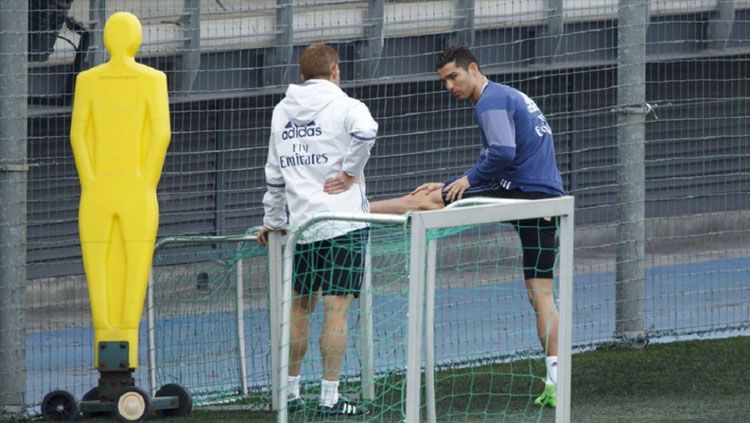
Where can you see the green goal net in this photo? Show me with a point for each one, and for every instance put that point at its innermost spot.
(442, 315)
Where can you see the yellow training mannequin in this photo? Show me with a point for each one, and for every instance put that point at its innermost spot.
(120, 134)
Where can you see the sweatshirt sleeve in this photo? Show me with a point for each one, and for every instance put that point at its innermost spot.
(363, 131)
(274, 200)
(500, 132)
(496, 160)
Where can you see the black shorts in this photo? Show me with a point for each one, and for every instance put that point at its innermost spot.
(335, 266)
(538, 236)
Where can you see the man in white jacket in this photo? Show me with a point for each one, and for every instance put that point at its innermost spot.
(319, 145)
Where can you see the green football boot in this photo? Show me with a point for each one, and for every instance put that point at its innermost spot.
(548, 397)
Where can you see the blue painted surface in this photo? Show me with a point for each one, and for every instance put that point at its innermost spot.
(200, 351)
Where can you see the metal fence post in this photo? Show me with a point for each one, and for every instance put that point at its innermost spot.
(13, 177)
(631, 95)
(191, 55)
(97, 17)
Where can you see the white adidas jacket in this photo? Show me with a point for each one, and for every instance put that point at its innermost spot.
(316, 131)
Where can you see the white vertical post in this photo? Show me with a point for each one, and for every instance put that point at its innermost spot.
(284, 326)
(416, 303)
(565, 322)
(275, 279)
(367, 342)
(151, 330)
(240, 304)
(429, 331)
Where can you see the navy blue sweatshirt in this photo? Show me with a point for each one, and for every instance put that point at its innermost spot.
(517, 147)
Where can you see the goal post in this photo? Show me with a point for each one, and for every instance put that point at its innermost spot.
(286, 302)
(486, 210)
(422, 265)
(201, 290)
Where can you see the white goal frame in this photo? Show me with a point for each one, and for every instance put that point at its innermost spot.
(422, 292)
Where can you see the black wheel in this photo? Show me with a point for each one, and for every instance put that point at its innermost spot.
(59, 406)
(92, 395)
(184, 404)
(133, 405)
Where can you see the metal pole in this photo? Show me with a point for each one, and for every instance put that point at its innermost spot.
(417, 262)
(371, 48)
(565, 321)
(282, 371)
(722, 24)
(367, 340)
(429, 331)
(465, 11)
(97, 17)
(548, 43)
(191, 56)
(240, 313)
(275, 278)
(631, 88)
(13, 168)
(279, 59)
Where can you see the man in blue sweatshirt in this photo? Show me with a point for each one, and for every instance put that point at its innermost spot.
(517, 161)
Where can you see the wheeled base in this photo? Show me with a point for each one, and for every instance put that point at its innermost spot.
(131, 405)
(117, 394)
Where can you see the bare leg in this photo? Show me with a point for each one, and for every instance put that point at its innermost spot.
(333, 337)
(542, 299)
(417, 202)
(299, 330)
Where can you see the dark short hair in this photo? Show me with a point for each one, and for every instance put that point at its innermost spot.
(459, 54)
(317, 61)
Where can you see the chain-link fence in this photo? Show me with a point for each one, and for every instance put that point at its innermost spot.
(647, 100)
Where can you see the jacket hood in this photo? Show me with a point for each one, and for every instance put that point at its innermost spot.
(303, 102)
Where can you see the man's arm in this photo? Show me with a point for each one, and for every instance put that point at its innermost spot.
(274, 200)
(500, 132)
(496, 160)
(363, 131)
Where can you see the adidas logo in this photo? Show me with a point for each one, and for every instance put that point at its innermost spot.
(292, 131)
